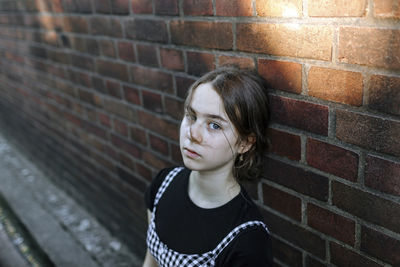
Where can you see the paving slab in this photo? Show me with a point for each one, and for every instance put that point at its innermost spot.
(9, 254)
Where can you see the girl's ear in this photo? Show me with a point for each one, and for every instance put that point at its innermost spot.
(246, 144)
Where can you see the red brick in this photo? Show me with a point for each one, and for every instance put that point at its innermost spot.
(342, 256)
(174, 107)
(49, 22)
(379, 134)
(132, 95)
(98, 85)
(152, 78)
(75, 24)
(332, 8)
(176, 154)
(299, 114)
(276, 8)
(243, 62)
(116, 28)
(297, 235)
(152, 101)
(78, 43)
(138, 135)
(384, 94)
(172, 59)
(370, 46)
(182, 85)
(298, 179)
(89, 97)
(205, 34)
(159, 125)
(366, 206)
(59, 57)
(114, 89)
(120, 109)
(234, 8)
(82, 62)
(126, 161)
(166, 7)
(126, 52)
(142, 6)
(102, 161)
(79, 78)
(104, 119)
(387, 9)
(120, 127)
(382, 175)
(132, 180)
(84, 6)
(57, 6)
(147, 55)
(120, 7)
(65, 88)
(200, 63)
(336, 85)
(333, 159)
(126, 146)
(92, 47)
(382, 246)
(158, 144)
(313, 262)
(105, 26)
(282, 202)
(94, 129)
(155, 161)
(197, 7)
(147, 30)
(99, 25)
(144, 171)
(330, 223)
(286, 253)
(112, 69)
(107, 48)
(304, 41)
(69, 6)
(103, 6)
(284, 144)
(38, 52)
(281, 75)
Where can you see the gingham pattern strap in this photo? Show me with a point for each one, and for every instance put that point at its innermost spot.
(168, 257)
(165, 184)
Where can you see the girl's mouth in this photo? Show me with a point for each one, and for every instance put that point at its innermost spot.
(191, 153)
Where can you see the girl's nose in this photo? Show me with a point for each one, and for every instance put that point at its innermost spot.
(195, 133)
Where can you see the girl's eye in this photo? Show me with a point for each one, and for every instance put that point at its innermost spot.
(214, 126)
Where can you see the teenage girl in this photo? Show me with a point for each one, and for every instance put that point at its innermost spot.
(199, 214)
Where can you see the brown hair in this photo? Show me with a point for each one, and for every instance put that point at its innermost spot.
(245, 99)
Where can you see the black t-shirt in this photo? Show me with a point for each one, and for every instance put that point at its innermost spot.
(189, 229)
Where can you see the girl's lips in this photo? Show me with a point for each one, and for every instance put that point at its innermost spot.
(191, 153)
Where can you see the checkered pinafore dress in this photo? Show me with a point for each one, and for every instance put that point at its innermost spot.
(168, 257)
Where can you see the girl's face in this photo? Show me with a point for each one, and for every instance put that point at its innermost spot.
(208, 140)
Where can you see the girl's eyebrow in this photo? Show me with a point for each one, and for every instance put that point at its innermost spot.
(212, 116)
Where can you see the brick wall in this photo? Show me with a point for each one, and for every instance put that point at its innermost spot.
(93, 92)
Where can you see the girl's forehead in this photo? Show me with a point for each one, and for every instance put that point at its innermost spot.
(206, 100)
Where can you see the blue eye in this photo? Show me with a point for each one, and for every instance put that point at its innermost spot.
(214, 126)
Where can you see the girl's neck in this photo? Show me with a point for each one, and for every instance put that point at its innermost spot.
(212, 189)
